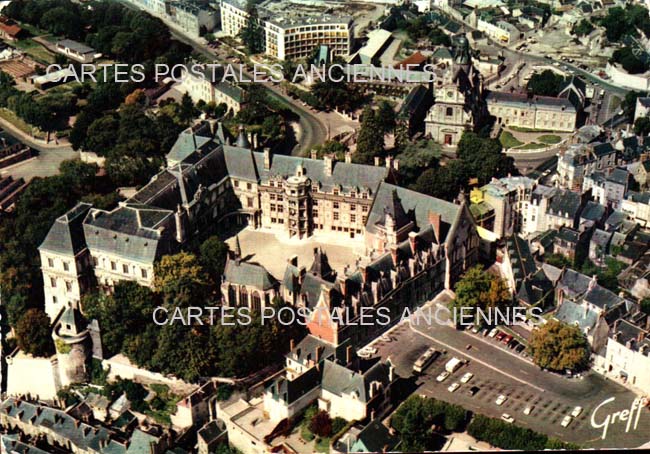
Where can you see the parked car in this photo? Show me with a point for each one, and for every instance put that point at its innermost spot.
(453, 387)
(473, 390)
(443, 376)
(529, 409)
(566, 421)
(500, 335)
(520, 348)
(576, 412)
(512, 344)
(485, 332)
(507, 418)
(506, 340)
(475, 329)
(467, 377)
(501, 399)
(493, 332)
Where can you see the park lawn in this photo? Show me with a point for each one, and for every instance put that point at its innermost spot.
(549, 139)
(532, 146)
(21, 124)
(523, 129)
(35, 50)
(508, 140)
(168, 401)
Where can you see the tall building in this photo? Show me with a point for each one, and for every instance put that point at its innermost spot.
(291, 30)
(459, 103)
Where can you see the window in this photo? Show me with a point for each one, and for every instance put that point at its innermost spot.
(249, 186)
(249, 202)
(236, 183)
(66, 266)
(364, 208)
(54, 300)
(336, 205)
(273, 207)
(272, 196)
(68, 286)
(353, 207)
(449, 112)
(143, 272)
(125, 269)
(336, 216)
(113, 266)
(53, 282)
(50, 263)
(353, 218)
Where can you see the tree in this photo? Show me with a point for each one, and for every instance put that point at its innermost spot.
(546, 83)
(81, 175)
(252, 34)
(645, 306)
(557, 346)
(416, 158)
(483, 158)
(331, 147)
(386, 117)
(181, 277)
(442, 182)
(630, 62)
(642, 126)
(33, 333)
(479, 289)
(584, 27)
(187, 111)
(629, 103)
(102, 135)
(321, 424)
(370, 140)
(213, 255)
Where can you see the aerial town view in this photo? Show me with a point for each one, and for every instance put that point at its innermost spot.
(324, 226)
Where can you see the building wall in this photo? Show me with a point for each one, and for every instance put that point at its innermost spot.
(345, 406)
(619, 358)
(65, 279)
(533, 115)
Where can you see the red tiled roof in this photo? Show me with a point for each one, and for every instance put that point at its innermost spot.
(414, 60)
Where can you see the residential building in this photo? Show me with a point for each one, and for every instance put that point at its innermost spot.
(9, 30)
(627, 355)
(191, 16)
(204, 83)
(458, 104)
(291, 32)
(607, 190)
(76, 51)
(533, 112)
(583, 159)
(552, 208)
(637, 206)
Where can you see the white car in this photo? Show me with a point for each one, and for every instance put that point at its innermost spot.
(576, 412)
(501, 399)
(528, 410)
(443, 376)
(507, 418)
(566, 421)
(453, 387)
(467, 377)
(493, 332)
(367, 351)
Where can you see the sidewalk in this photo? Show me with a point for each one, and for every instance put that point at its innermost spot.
(33, 142)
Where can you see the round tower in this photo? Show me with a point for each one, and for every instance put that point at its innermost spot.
(73, 347)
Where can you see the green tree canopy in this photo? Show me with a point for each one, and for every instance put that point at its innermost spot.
(33, 333)
(557, 346)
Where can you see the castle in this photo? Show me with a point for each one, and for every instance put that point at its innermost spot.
(417, 245)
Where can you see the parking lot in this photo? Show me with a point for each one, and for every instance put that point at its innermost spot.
(500, 371)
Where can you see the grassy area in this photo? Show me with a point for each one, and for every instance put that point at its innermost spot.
(163, 405)
(532, 146)
(322, 445)
(550, 139)
(35, 50)
(522, 129)
(21, 124)
(508, 140)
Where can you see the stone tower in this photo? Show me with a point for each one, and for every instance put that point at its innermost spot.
(73, 347)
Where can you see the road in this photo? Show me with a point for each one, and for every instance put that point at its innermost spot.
(499, 371)
(313, 131)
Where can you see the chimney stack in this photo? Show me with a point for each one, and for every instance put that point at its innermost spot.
(434, 220)
(314, 154)
(348, 355)
(292, 344)
(393, 254)
(328, 165)
(389, 162)
(364, 274)
(377, 162)
(348, 157)
(267, 158)
(413, 241)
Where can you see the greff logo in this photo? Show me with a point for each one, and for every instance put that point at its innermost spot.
(630, 417)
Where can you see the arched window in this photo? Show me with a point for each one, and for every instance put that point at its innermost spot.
(449, 111)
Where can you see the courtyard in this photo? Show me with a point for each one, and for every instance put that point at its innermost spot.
(272, 250)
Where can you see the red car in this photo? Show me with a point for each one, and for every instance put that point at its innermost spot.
(507, 339)
(500, 335)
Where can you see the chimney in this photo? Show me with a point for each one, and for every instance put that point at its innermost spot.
(314, 154)
(413, 241)
(267, 158)
(348, 157)
(396, 164)
(319, 351)
(348, 354)
(343, 285)
(389, 162)
(377, 162)
(434, 220)
(640, 337)
(180, 227)
(393, 254)
(328, 165)
(364, 274)
(292, 344)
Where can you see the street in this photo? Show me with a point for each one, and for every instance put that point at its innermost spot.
(499, 371)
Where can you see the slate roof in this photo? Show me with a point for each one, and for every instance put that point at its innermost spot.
(132, 231)
(628, 334)
(601, 237)
(521, 259)
(307, 347)
(568, 235)
(75, 46)
(289, 391)
(195, 138)
(248, 274)
(536, 289)
(375, 437)
(565, 203)
(417, 206)
(416, 97)
(340, 380)
(522, 100)
(574, 313)
(618, 176)
(66, 234)
(593, 211)
(616, 219)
